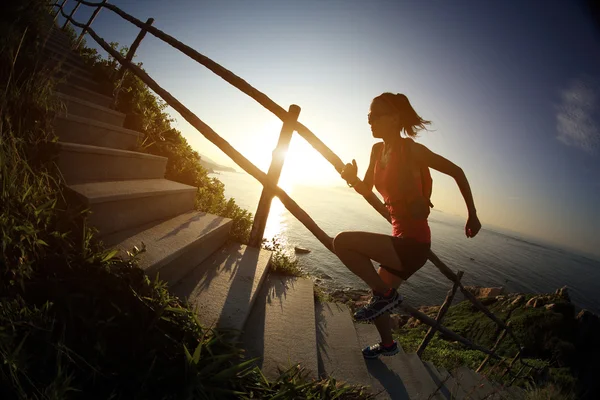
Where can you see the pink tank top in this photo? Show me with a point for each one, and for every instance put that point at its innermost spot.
(387, 182)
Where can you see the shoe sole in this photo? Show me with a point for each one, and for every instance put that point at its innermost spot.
(388, 354)
(382, 311)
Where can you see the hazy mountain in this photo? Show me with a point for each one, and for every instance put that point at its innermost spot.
(212, 166)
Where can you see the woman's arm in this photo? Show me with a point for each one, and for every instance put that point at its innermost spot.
(350, 173)
(447, 167)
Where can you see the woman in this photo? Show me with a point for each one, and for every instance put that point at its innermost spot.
(399, 169)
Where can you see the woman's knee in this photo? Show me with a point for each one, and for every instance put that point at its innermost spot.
(342, 241)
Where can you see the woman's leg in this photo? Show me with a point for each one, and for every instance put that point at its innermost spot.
(357, 249)
(383, 322)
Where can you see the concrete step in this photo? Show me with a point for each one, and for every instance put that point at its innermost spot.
(63, 54)
(385, 382)
(455, 390)
(85, 94)
(123, 205)
(173, 246)
(81, 163)
(339, 352)
(438, 379)
(73, 129)
(85, 80)
(485, 388)
(468, 381)
(58, 40)
(60, 36)
(223, 288)
(90, 110)
(59, 43)
(69, 69)
(281, 327)
(402, 376)
(515, 392)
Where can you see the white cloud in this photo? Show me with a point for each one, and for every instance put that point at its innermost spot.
(577, 117)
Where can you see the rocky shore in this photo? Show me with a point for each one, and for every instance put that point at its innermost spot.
(548, 325)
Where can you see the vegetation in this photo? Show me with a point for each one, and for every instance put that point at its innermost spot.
(547, 332)
(281, 261)
(75, 321)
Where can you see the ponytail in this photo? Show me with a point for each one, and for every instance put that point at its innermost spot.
(410, 121)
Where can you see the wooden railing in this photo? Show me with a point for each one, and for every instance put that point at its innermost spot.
(271, 179)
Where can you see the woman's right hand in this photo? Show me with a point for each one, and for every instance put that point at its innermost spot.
(349, 172)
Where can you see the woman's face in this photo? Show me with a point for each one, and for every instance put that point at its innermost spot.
(383, 119)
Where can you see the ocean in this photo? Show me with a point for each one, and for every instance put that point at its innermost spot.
(492, 258)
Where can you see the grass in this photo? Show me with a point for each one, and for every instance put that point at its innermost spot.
(281, 261)
(545, 333)
(76, 321)
(442, 353)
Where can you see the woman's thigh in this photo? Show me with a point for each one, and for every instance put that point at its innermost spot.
(379, 248)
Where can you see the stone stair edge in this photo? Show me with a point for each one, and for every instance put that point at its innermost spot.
(85, 148)
(80, 119)
(84, 89)
(102, 192)
(86, 103)
(227, 311)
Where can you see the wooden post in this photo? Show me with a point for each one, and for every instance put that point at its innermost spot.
(518, 375)
(120, 74)
(71, 15)
(498, 341)
(264, 204)
(59, 10)
(511, 364)
(452, 335)
(440, 316)
(89, 23)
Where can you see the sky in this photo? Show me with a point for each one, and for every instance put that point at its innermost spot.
(512, 89)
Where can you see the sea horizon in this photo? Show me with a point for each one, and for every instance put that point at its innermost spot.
(496, 257)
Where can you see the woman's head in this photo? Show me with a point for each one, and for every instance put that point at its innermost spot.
(391, 114)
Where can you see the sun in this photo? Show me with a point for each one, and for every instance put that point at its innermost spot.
(305, 166)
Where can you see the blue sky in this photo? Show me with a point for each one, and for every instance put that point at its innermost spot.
(512, 88)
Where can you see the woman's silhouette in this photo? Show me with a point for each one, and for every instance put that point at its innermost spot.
(399, 169)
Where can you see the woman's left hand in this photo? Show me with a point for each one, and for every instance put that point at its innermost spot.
(473, 226)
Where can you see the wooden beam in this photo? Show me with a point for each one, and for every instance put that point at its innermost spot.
(134, 47)
(70, 17)
(440, 316)
(264, 204)
(498, 341)
(60, 7)
(452, 335)
(89, 23)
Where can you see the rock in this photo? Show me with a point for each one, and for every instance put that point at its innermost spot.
(301, 250)
(429, 310)
(483, 292)
(531, 302)
(563, 293)
(413, 322)
(518, 300)
(398, 321)
(588, 326)
(491, 292)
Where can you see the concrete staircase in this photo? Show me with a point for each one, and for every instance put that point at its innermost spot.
(275, 317)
